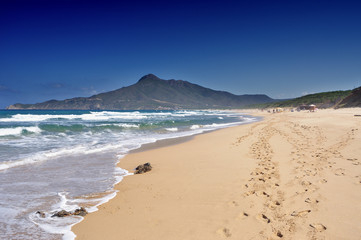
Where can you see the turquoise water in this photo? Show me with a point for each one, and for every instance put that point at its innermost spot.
(53, 160)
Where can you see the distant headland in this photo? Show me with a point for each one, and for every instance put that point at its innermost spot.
(153, 93)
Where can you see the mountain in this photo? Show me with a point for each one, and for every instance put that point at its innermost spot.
(321, 100)
(352, 100)
(151, 92)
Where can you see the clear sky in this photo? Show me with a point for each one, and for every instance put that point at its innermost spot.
(57, 49)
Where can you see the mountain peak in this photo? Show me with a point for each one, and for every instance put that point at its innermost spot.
(148, 77)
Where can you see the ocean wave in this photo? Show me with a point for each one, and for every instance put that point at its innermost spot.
(38, 157)
(18, 130)
(172, 129)
(105, 116)
(47, 155)
(121, 147)
(193, 127)
(85, 127)
(122, 125)
(223, 125)
(102, 116)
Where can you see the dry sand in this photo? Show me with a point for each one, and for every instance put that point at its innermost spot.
(292, 176)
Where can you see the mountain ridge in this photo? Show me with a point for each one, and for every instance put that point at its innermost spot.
(152, 93)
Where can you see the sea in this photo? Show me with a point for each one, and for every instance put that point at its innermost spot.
(63, 160)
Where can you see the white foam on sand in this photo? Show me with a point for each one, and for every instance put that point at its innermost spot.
(56, 225)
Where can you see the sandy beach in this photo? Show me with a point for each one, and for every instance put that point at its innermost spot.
(294, 175)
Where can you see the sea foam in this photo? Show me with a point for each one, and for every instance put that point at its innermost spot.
(172, 129)
(18, 130)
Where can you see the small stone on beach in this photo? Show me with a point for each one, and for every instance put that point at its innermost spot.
(146, 167)
(61, 213)
(78, 212)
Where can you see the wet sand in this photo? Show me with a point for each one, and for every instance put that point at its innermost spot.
(294, 175)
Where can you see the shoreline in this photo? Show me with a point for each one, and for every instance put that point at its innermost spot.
(162, 143)
(179, 140)
(190, 167)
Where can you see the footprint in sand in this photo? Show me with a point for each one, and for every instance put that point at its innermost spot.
(300, 213)
(249, 193)
(306, 190)
(354, 161)
(233, 204)
(273, 205)
(264, 218)
(261, 179)
(318, 227)
(279, 234)
(323, 181)
(242, 216)
(265, 194)
(309, 200)
(358, 179)
(306, 183)
(224, 232)
(340, 172)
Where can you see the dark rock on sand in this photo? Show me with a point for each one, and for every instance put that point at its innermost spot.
(80, 212)
(62, 213)
(146, 167)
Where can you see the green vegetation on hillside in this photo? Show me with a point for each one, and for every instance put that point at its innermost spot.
(321, 100)
(352, 100)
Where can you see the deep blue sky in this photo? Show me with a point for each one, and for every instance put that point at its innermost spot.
(60, 49)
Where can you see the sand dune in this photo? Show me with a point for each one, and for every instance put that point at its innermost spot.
(292, 176)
